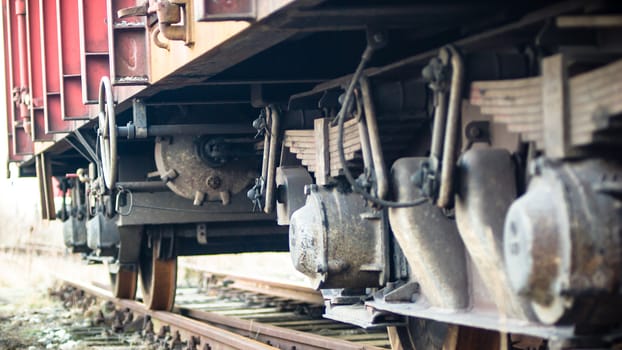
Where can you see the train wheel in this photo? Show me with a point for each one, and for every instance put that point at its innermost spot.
(158, 278)
(432, 335)
(124, 283)
(107, 133)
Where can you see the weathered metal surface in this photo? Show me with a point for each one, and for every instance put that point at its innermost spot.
(273, 129)
(94, 53)
(430, 242)
(187, 175)
(17, 84)
(74, 234)
(158, 275)
(557, 250)
(46, 191)
(133, 131)
(124, 268)
(102, 234)
(35, 67)
(472, 318)
(584, 106)
(123, 282)
(290, 184)
(72, 106)
(168, 207)
(485, 191)
(179, 55)
(42, 43)
(52, 74)
(249, 57)
(339, 242)
(555, 107)
(317, 148)
(129, 45)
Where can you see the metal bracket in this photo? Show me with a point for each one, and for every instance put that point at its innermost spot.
(477, 132)
(171, 25)
(226, 10)
(138, 127)
(202, 233)
(139, 118)
(404, 293)
(164, 243)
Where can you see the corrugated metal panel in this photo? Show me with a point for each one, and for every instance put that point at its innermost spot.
(128, 36)
(57, 67)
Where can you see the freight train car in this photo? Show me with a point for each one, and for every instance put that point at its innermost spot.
(449, 169)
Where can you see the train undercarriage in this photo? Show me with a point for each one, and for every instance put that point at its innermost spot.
(448, 170)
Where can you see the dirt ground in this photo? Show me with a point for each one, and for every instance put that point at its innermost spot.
(29, 318)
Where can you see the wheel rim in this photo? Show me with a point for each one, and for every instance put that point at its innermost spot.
(124, 283)
(158, 278)
(107, 133)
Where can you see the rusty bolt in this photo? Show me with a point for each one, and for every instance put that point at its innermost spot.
(475, 132)
(214, 182)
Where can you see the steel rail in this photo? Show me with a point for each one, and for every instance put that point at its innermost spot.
(273, 288)
(217, 338)
(280, 337)
(226, 332)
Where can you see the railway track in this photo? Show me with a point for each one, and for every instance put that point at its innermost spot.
(229, 312)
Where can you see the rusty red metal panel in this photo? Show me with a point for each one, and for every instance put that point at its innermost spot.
(37, 93)
(17, 81)
(129, 64)
(94, 47)
(8, 71)
(71, 75)
(51, 69)
(56, 53)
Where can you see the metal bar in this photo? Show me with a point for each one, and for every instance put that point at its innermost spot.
(46, 190)
(374, 139)
(440, 118)
(321, 150)
(190, 129)
(365, 146)
(36, 72)
(86, 145)
(74, 146)
(197, 103)
(266, 149)
(20, 12)
(602, 21)
(249, 283)
(272, 157)
(51, 74)
(143, 186)
(451, 131)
